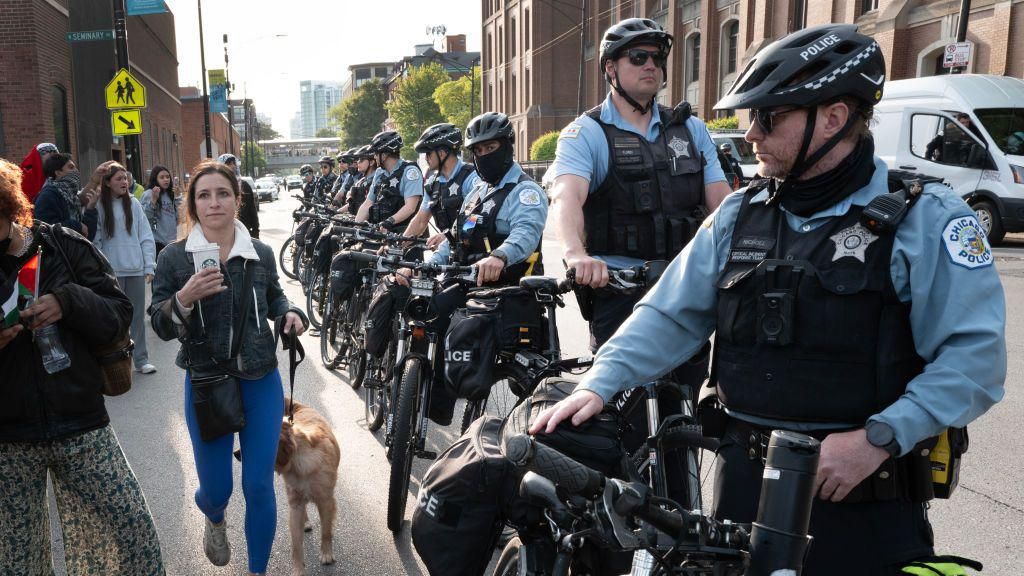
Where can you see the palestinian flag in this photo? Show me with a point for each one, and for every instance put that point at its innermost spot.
(16, 288)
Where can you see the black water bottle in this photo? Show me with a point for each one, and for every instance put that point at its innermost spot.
(779, 540)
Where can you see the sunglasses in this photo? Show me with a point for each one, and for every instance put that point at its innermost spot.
(638, 57)
(766, 118)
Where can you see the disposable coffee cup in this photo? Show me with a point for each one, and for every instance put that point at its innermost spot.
(206, 257)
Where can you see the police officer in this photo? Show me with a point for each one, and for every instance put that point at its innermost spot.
(828, 323)
(398, 189)
(734, 164)
(344, 161)
(365, 167)
(631, 180)
(308, 181)
(322, 186)
(447, 186)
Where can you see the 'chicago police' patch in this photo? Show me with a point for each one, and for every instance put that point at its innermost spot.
(966, 242)
(529, 197)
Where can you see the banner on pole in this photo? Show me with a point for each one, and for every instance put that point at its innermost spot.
(218, 91)
(141, 7)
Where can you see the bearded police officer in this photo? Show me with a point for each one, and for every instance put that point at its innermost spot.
(840, 310)
(631, 180)
(446, 188)
(396, 193)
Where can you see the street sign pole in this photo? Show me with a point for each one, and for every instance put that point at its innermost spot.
(131, 143)
(206, 94)
(961, 29)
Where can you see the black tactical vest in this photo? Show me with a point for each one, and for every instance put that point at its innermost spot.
(356, 194)
(389, 199)
(651, 203)
(322, 187)
(810, 328)
(476, 229)
(446, 197)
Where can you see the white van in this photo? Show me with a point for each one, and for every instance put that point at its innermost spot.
(980, 155)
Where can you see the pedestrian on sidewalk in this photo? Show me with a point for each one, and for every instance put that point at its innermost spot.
(125, 238)
(59, 201)
(105, 522)
(32, 177)
(160, 203)
(204, 313)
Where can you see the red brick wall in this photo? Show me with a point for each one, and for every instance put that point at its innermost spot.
(194, 138)
(34, 56)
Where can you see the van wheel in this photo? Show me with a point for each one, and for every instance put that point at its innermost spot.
(988, 217)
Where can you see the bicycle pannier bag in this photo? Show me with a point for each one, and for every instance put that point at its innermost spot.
(521, 318)
(470, 349)
(459, 512)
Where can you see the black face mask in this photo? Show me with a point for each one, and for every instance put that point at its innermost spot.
(493, 167)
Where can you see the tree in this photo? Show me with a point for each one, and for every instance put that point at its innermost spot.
(360, 116)
(543, 148)
(257, 160)
(265, 131)
(412, 105)
(457, 105)
(326, 133)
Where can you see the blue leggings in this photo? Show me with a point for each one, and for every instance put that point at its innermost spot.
(264, 408)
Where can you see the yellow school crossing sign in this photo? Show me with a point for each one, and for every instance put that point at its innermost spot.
(125, 91)
(126, 122)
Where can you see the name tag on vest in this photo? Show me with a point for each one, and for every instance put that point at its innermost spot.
(747, 256)
(627, 151)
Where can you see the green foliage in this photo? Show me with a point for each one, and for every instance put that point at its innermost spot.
(360, 117)
(456, 103)
(412, 105)
(543, 148)
(727, 123)
(255, 159)
(265, 131)
(326, 133)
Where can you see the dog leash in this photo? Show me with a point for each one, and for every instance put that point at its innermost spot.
(296, 354)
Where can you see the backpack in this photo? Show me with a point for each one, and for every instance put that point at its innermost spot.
(461, 504)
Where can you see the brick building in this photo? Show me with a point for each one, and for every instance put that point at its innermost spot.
(223, 137)
(541, 70)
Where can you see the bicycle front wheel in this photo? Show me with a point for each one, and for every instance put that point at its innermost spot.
(508, 379)
(403, 448)
(508, 562)
(286, 259)
(316, 298)
(334, 340)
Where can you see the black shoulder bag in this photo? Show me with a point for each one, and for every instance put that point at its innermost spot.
(217, 398)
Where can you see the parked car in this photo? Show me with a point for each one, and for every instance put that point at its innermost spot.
(742, 150)
(293, 182)
(266, 189)
(917, 130)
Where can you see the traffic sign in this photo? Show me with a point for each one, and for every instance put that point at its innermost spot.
(957, 55)
(90, 35)
(126, 122)
(125, 91)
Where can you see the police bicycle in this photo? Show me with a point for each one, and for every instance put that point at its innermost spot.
(289, 256)
(585, 511)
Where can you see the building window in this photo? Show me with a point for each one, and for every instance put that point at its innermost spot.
(799, 15)
(61, 134)
(512, 37)
(527, 28)
(488, 51)
(380, 72)
(868, 5)
(690, 9)
(660, 12)
(732, 39)
(694, 58)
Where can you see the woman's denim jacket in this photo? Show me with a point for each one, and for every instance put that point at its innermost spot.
(219, 313)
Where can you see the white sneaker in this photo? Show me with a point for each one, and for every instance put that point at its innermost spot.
(147, 368)
(215, 543)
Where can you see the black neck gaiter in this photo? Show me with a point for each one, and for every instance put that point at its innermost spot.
(807, 197)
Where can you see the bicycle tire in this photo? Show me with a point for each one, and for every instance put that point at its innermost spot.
(375, 400)
(500, 400)
(334, 339)
(286, 259)
(508, 561)
(402, 451)
(356, 370)
(315, 298)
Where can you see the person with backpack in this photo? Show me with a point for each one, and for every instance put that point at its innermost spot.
(838, 311)
(160, 204)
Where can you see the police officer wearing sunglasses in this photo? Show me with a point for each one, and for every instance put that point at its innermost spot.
(860, 334)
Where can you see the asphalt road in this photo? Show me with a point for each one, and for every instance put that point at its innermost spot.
(984, 520)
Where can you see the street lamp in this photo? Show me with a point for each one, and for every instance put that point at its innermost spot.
(472, 79)
(206, 94)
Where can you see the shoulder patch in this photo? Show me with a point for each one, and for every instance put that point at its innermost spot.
(571, 131)
(411, 174)
(529, 197)
(966, 243)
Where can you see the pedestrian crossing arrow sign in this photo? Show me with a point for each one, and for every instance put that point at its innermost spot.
(126, 122)
(125, 91)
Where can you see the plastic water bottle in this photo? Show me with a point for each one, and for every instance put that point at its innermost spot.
(55, 358)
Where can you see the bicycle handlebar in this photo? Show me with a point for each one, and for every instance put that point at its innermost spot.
(393, 262)
(369, 233)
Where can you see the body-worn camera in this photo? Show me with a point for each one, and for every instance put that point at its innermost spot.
(776, 306)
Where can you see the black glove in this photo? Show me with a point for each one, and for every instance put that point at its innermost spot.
(388, 224)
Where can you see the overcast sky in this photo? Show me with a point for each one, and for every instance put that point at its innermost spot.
(322, 38)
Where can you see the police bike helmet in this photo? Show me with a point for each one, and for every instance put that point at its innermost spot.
(631, 32)
(345, 157)
(327, 160)
(364, 152)
(814, 66)
(725, 147)
(386, 142)
(489, 126)
(443, 135)
(305, 169)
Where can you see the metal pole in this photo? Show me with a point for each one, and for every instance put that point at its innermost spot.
(131, 143)
(583, 30)
(961, 30)
(231, 109)
(206, 94)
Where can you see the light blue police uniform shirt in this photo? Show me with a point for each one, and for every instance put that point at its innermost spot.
(958, 312)
(583, 151)
(467, 185)
(521, 216)
(409, 186)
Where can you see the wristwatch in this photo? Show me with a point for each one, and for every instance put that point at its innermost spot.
(882, 435)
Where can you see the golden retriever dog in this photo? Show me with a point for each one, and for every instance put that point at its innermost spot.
(307, 459)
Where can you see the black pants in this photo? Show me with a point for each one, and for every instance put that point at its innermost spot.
(861, 539)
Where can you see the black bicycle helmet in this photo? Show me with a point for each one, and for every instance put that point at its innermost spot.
(810, 67)
(725, 147)
(327, 160)
(305, 169)
(388, 141)
(489, 126)
(443, 135)
(632, 31)
(364, 152)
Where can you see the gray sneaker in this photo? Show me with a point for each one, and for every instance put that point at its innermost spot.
(215, 543)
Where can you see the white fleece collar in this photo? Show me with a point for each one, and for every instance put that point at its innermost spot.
(243, 242)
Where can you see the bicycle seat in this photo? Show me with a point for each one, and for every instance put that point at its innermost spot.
(539, 283)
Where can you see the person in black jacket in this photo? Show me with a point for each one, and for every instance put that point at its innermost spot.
(57, 423)
(248, 212)
(60, 201)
